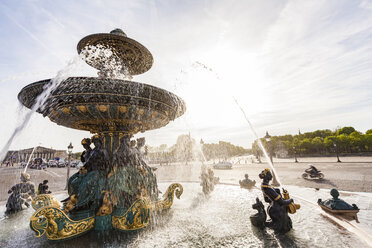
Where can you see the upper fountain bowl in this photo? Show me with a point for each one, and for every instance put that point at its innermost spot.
(115, 48)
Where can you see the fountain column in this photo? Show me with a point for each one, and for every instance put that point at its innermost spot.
(111, 140)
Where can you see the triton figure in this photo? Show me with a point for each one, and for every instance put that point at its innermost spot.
(279, 206)
(21, 193)
(247, 183)
(43, 188)
(208, 180)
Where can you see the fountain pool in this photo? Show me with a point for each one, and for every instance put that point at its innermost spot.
(222, 220)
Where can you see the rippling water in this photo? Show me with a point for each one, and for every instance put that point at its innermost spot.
(222, 220)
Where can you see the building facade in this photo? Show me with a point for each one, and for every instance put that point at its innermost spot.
(39, 152)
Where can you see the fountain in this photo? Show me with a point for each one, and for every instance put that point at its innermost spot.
(115, 189)
(113, 108)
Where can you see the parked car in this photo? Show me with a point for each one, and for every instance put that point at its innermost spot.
(52, 163)
(61, 164)
(223, 166)
(74, 163)
(43, 166)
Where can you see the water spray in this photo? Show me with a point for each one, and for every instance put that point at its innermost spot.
(40, 102)
(29, 159)
(259, 143)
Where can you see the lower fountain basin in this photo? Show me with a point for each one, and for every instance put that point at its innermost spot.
(194, 221)
(104, 104)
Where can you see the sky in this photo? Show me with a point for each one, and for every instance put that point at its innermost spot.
(291, 65)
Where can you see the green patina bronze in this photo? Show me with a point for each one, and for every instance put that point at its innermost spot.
(339, 207)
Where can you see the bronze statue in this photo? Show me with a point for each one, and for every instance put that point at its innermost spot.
(208, 180)
(43, 188)
(247, 183)
(339, 207)
(85, 187)
(278, 209)
(98, 158)
(21, 193)
(86, 153)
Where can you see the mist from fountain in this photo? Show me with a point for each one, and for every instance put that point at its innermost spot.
(40, 102)
(222, 88)
(98, 52)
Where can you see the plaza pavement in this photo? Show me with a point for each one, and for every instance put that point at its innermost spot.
(353, 174)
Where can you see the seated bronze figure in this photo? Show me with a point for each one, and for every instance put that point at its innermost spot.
(20, 194)
(278, 209)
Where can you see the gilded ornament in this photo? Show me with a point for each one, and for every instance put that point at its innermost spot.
(123, 109)
(168, 197)
(57, 225)
(81, 108)
(102, 108)
(136, 217)
(44, 200)
(66, 110)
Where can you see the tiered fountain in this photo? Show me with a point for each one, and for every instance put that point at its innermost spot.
(115, 189)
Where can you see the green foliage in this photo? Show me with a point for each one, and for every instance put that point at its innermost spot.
(76, 155)
(346, 130)
(345, 140)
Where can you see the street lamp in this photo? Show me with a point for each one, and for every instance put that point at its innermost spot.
(295, 154)
(336, 148)
(69, 150)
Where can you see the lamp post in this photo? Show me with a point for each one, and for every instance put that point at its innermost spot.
(295, 154)
(69, 150)
(268, 140)
(336, 148)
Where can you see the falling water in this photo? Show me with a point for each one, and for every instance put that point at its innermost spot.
(111, 65)
(29, 159)
(40, 102)
(198, 64)
(259, 142)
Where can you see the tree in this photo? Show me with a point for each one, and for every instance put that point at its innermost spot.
(318, 144)
(343, 143)
(367, 141)
(356, 142)
(346, 130)
(329, 142)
